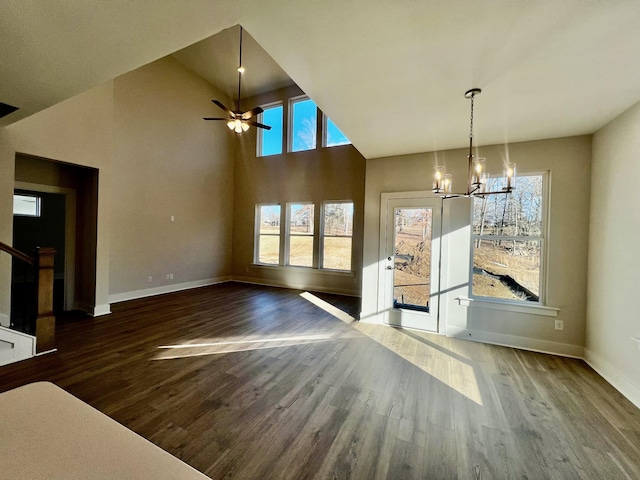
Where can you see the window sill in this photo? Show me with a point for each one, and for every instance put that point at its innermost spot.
(509, 307)
(338, 273)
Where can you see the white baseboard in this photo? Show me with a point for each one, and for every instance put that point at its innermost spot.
(5, 320)
(523, 343)
(19, 346)
(176, 287)
(374, 318)
(100, 310)
(612, 375)
(293, 285)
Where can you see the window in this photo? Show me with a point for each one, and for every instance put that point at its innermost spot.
(300, 234)
(268, 234)
(270, 141)
(508, 241)
(26, 205)
(303, 125)
(337, 233)
(332, 134)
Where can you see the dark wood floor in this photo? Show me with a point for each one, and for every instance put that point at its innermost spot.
(254, 382)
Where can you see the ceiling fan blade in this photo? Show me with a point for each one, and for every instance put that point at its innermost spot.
(208, 118)
(255, 111)
(223, 107)
(259, 125)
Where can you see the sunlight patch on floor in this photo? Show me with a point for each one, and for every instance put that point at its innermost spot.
(186, 350)
(428, 355)
(327, 307)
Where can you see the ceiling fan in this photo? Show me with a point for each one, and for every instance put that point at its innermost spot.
(237, 120)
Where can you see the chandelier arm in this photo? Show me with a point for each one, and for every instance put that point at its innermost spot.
(474, 189)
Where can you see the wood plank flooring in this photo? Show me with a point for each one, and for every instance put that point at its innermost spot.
(255, 382)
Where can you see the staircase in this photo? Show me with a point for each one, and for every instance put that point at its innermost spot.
(15, 346)
(18, 345)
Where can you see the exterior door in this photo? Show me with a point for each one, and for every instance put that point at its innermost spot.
(410, 270)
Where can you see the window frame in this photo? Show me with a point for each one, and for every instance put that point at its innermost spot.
(257, 234)
(325, 133)
(288, 235)
(290, 130)
(542, 239)
(260, 132)
(38, 200)
(322, 236)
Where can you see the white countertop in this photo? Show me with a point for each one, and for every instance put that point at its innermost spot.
(47, 433)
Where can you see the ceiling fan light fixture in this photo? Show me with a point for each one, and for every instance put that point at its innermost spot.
(239, 121)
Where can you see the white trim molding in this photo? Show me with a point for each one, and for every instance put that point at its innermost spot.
(513, 341)
(612, 375)
(17, 346)
(177, 287)
(99, 310)
(531, 309)
(294, 285)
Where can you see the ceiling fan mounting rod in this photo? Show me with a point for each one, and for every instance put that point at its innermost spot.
(239, 69)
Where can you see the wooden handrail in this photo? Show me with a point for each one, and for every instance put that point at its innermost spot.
(17, 253)
(46, 320)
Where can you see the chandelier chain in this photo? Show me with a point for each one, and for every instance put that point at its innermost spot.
(471, 118)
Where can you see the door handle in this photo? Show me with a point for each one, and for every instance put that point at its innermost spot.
(389, 267)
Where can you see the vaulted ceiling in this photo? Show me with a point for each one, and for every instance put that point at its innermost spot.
(391, 74)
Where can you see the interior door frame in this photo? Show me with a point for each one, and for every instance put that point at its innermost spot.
(69, 235)
(382, 258)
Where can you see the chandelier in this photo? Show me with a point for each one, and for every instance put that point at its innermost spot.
(477, 178)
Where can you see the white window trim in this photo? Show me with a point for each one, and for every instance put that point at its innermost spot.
(38, 200)
(287, 239)
(322, 236)
(292, 101)
(531, 308)
(256, 235)
(506, 304)
(259, 135)
(325, 131)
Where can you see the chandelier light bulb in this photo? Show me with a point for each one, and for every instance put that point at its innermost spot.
(446, 187)
(510, 176)
(439, 174)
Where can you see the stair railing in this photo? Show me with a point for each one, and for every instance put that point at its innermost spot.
(45, 320)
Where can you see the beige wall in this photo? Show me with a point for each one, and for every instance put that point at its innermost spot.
(568, 161)
(168, 162)
(78, 131)
(614, 257)
(156, 157)
(335, 173)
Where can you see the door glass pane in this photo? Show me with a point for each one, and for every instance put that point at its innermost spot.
(412, 248)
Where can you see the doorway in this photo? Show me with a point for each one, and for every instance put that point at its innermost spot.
(76, 263)
(410, 242)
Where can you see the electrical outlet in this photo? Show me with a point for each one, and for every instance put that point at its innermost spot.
(559, 325)
(150, 279)
(166, 277)
(171, 276)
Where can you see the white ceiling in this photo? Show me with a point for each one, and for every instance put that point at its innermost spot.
(391, 74)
